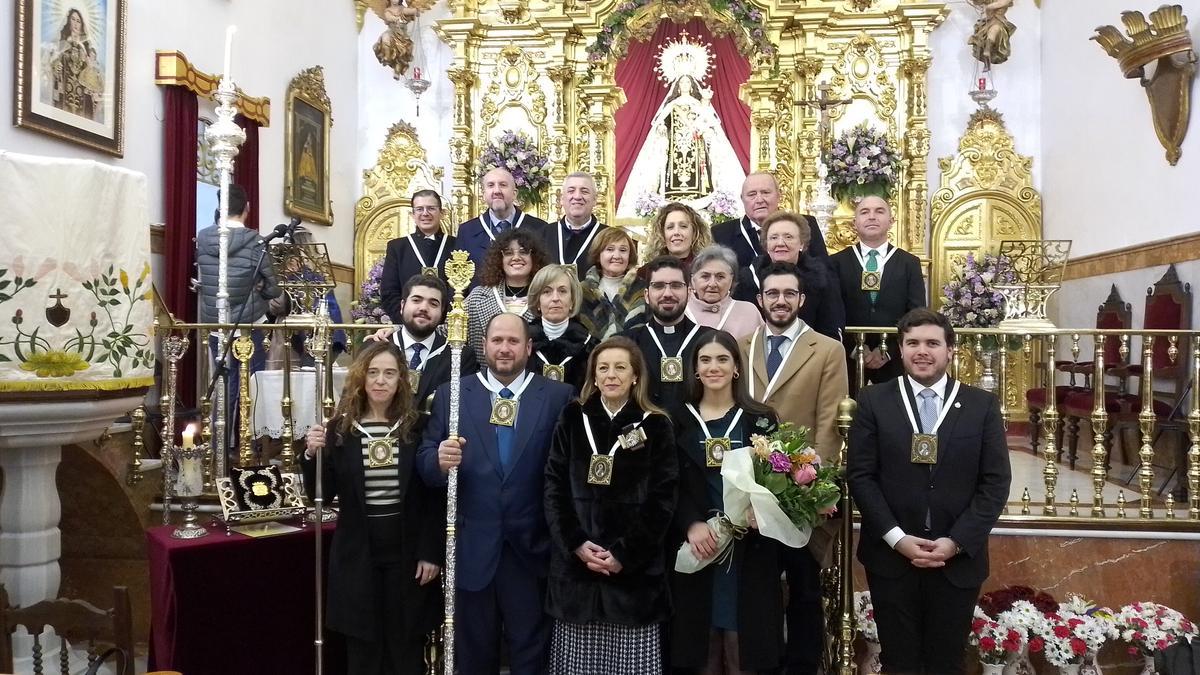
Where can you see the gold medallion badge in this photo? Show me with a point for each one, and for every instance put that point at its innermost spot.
(924, 449)
(600, 470)
(504, 412)
(870, 281)
(671, 369)
(379, 453)
(553, 372)
(715, 449)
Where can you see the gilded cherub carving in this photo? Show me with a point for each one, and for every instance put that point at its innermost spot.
(394, 48)
(990, 42)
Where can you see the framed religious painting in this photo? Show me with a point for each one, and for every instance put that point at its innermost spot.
(70, 71)
(306, 148)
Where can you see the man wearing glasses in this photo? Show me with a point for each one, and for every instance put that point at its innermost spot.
(668, 337)
(802, 375)
(425, 251)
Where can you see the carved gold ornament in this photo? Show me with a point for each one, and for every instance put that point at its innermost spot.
(1165, 39)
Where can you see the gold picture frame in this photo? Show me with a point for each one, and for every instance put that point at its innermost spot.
(69, 79)
(306, 148)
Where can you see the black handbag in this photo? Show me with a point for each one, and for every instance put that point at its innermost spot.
(122, 660)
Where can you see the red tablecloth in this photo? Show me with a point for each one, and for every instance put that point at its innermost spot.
(227, 605)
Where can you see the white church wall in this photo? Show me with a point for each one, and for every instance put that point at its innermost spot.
(954, 71)
(383, 100)
(1108, 184)
(276, 39)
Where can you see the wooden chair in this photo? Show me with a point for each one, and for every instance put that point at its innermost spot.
(1113, 313)
(1168, 307)
(76, 622)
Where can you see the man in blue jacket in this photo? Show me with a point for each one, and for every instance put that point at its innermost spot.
(507, 418)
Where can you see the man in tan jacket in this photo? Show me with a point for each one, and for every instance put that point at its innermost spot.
(802, 375)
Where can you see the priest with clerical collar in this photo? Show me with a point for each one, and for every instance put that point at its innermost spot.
(425, 251)
(760, 198)
(499, 190)
(667, 339)
(569, 241)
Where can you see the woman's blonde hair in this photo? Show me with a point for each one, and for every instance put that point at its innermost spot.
(640, 392)
(546, 276)
(355, 404)
(657, 243)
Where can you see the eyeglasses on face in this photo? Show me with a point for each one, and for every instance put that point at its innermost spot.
(516, 252)
(426, 209)
(774, 294)
(664, 285)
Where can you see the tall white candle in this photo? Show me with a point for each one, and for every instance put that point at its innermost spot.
(229, 52)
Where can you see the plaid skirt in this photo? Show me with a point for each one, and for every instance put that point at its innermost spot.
(605, 649)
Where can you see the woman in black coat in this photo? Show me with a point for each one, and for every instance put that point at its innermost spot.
(728, 615)
(390, 540)
(610, 493)
(785, 238)
(561, 342)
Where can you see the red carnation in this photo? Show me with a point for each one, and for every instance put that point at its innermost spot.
(1061, 631)
(988, 643)
(1036, 644)
(977, 624)
(1133, 651)
(1078, 646)
(1013, 634)
(1011, 646)
(1074, 621)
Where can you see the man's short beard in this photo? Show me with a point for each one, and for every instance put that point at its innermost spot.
(662, 317)
(419, 333)
(784, 324)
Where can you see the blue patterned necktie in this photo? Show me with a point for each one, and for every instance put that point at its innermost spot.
(872, 266)
(504, 436)
(501, 227)
(928, 409)
(415, 362)
(775, 355)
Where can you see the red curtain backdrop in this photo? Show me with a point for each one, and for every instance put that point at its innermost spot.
(644, 93)
(180, 113)
(245, 168)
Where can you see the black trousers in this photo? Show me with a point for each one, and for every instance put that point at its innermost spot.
(805, 614)
(396, 649)
(923, 621)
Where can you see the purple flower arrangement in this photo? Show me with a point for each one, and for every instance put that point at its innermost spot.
(648, 204)
(971, 300)
(722, 206)
(520, 155)
(862, 162)
(369, 308)
(747, 16)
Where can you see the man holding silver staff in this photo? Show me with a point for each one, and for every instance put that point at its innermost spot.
(507, 419)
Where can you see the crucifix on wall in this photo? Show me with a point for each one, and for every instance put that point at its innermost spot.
(825, 104)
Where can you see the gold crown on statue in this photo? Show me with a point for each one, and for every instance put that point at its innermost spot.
(1165, 34)
(684, 56)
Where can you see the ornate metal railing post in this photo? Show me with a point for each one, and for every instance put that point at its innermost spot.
(1099, 428)
(1146, 421)
(846, 410)
(1050, 423)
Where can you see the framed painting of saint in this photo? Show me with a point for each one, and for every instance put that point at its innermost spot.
(306, 148)
(70, 71)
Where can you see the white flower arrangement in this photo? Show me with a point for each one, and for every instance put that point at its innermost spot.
(1149, 627)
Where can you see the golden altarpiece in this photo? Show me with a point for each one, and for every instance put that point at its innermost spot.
(523, 65)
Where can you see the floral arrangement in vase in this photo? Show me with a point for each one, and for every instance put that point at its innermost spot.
(1066, 641)
(1149, 627)
(369, 307)
(994, 602)
(864, 616)
(970, 299)
(721, 206)
(648, 204)
(520, 155)
(862, 162)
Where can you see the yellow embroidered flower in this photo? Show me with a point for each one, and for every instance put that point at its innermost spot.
(54, 363)
(124, 280)
(145, 273)
(761, 446)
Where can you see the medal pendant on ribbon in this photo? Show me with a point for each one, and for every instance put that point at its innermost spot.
(429, 271)
(379, 453)
(553, 372)
(870, 281)
(414, 380)
(714, 450)
(504, 412)
(924, 449)
(600, 470)
(670, 369)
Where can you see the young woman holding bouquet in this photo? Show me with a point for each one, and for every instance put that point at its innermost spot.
(610, 492)
(729, 614)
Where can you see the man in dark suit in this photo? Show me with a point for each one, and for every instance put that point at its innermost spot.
(760, 198)
(499, 190)
(929, 471)
(667, 339)
(426, 351)
(425, 251)
(569, 241)
(880, 283)
(507, 418)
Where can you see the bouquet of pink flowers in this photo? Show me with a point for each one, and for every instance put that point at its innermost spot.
(791, 471)
(1150, 627)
